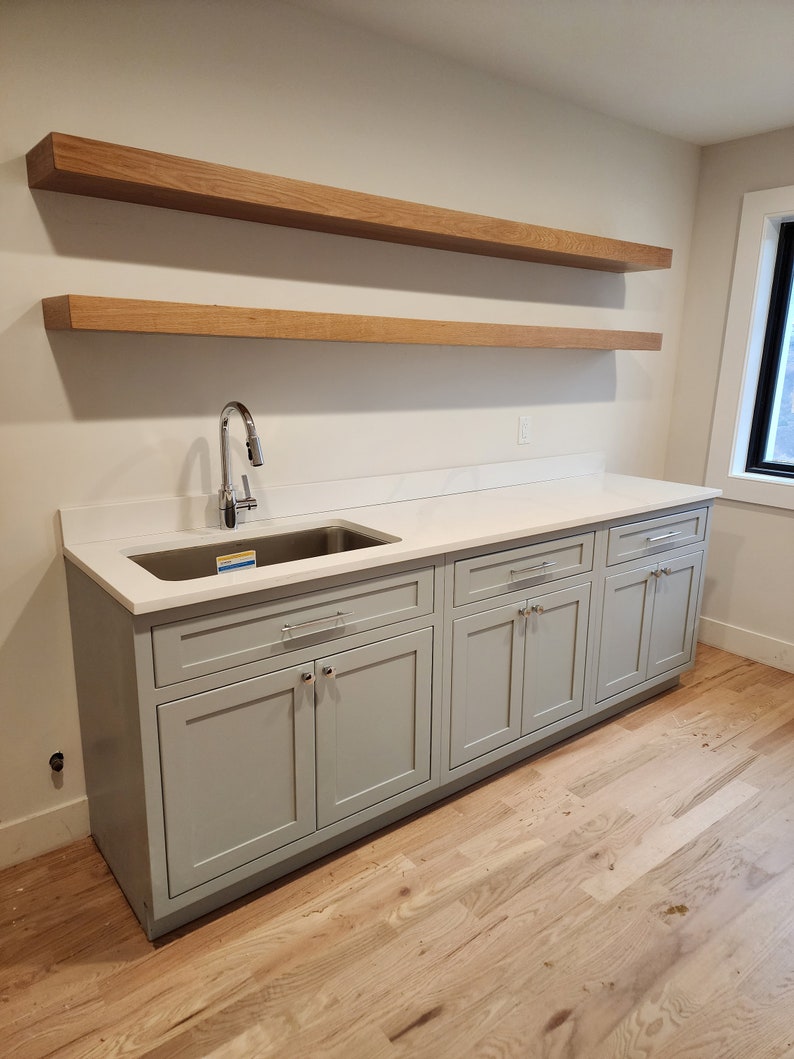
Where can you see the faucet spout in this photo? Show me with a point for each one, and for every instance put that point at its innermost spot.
(228, 502)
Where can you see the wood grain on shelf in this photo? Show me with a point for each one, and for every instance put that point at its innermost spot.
(469, 929)
(81, 166)
(74, 312)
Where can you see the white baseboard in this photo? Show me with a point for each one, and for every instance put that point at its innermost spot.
(766, 649)
(42, 832)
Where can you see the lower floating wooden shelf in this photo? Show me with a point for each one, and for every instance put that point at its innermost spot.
(75, 312)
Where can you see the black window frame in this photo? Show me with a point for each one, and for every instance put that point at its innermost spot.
(779, 299)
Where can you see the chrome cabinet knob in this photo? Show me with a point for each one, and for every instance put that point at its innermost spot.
(527, 612)
(308, 678)
(329, 671)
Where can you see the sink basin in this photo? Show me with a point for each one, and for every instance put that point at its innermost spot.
(184, 564)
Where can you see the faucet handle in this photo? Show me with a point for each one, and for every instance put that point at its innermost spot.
(248, 503)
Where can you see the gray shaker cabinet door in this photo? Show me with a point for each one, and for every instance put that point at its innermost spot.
(674, 613)
(373, 714)
(554, 657)
(238, 775)
(648, 626)
(625, 631)
(487, 664)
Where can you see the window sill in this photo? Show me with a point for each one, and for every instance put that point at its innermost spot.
(761, 489)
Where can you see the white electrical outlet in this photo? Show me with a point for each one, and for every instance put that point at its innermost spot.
(524, 423)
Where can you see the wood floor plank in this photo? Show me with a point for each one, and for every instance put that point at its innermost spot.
(670, 1019)
(670, 836)
(629, 893)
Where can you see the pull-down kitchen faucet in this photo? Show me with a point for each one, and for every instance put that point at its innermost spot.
(228, 504)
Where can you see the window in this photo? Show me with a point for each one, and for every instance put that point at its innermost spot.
(751, 457)
(771, 445)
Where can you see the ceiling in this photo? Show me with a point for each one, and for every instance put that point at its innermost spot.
(701, 70)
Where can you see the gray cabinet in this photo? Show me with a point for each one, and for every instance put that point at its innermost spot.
(516, 670)
(225, 746)
(224, 640)
(676, 594)
(555, 639)
(640, 540)
(239, 763)
(238, 775)
(522, 569)
(228, 743)
(648, 622)
(487, 675)
(373, 724)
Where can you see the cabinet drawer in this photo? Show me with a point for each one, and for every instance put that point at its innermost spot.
(655, 535)
(211, 643)
(521, 568)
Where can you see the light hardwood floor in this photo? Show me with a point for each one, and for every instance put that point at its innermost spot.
(628, 893)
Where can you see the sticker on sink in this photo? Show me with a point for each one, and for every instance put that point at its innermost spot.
(237, 561)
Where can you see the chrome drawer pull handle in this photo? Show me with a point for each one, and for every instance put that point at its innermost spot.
(664, 536)
(317, 621)
(532, 569)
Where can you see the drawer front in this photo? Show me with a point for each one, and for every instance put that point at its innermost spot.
(211, 643)
(521, 568)
(656, 535)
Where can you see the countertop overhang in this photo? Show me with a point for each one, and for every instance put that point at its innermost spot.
(427, 527)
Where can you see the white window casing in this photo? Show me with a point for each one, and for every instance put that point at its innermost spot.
(763, 212)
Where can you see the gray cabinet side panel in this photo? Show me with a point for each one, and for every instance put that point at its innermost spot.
(110, 730)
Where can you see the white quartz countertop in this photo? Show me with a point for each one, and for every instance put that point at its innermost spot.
(425, 527)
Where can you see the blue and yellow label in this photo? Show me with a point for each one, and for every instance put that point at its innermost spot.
(238, 561)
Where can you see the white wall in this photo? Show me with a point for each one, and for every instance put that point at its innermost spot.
(89, 419)
(748, 604)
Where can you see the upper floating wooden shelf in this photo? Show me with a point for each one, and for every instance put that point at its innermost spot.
(105, 170)
(74, 312)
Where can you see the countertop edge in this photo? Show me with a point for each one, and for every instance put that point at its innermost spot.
(428, 527)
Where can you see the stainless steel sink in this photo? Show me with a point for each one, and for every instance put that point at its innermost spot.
(184, 564)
